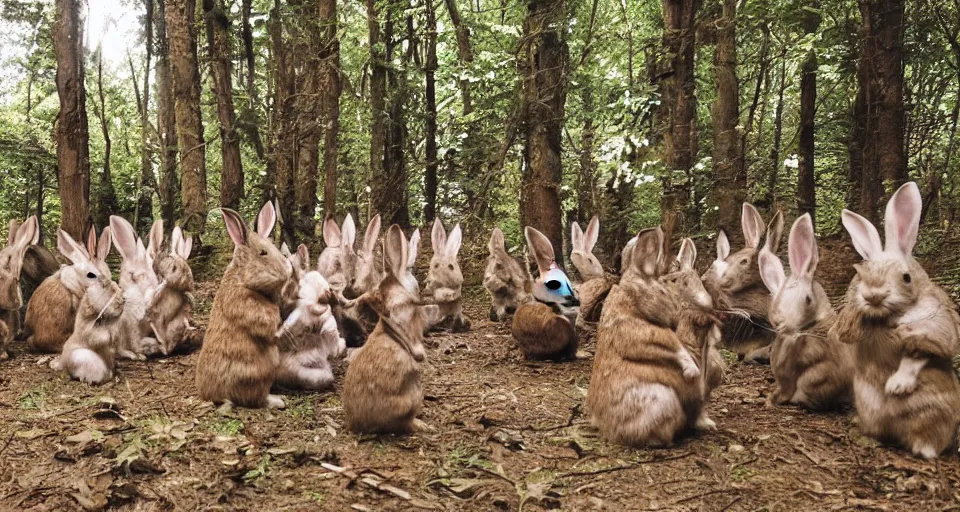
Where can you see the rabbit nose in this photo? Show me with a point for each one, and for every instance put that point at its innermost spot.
(875, 298)
(511, 310)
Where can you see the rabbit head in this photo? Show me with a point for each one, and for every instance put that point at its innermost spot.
(138, 279)
(890, 279)
(582, 243)
(172, 266)
(741, 270)
(314, 289)
(367, 274)
(799, 300)
(105, 297)
(684, 279)
(338, 260)
(504, 278)
(11, 261)
(257, 263)
(444, 278)
(552, 285)
(87, 263)
(711, 278)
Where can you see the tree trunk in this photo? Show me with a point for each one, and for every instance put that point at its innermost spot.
(464, 53)
(330, 78)
(774, 176)
(166, 123)
(544, 63)
(148, 184)
(182, 39)
(855, 141)
(730, 182)
(221, 66)
(309, 129)
(395, 210)
(106, 203)
(806, 175)
(73, 139)
(382, 191)
(680, 102)
(587, 179)
(283, 148)
(430, 177)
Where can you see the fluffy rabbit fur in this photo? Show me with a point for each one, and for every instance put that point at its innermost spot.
(545, 329)
(338, 260)
(51, 312)
(239, 357)
(409, 278)
(595, 286)
(368, 276)
(20, 238)
(734, 282)
(809, 369)
(382, 391)
(444, 279)
(171, 312)
(140, 285)
(645, 387)
(905, 330)
(504, 279)
(89, 354)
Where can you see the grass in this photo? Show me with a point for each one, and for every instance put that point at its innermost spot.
(231, 427)
(300, 407)
(261, 471)
(34, 399)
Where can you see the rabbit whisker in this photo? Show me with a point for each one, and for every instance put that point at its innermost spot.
(104, 310)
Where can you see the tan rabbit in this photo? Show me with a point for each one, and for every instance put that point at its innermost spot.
(368, 275)
(52, 310)
(738, 292)
(21, 237)
(809, 369)
(409, 277)
(38, 264)
(171, 312)
(89, 355)
(645, 387)
(338, 260)
(504, 279)
(444, 280)
(239, 358)
(546, 328)
(595, 286)
(382, 392)
(140, 285)
(905, 330)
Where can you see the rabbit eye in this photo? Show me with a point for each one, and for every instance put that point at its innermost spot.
(450, 267)
(553, 285)
(263, 252)
(907, 278)
(743, 262)
(809, 300)
(91, 275)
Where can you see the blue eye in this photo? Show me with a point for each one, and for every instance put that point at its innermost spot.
(553, 285)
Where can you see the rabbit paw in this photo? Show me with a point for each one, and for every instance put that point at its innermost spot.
(275, 402)
(901, 383)
(704, 422)
(341, 347)
(690, 371)
(419, 425)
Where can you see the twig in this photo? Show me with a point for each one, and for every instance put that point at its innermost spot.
(732, 503)
(623, 466)
(9, 439)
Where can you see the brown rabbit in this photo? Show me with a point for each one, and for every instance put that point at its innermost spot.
(545, 329)
(504, 279)
(809, 369)
(595, 286)
(444, 280)
(52, 310)
(170, 314)
(38, 264)
(368, 275)
(338, 260)
(906, 332)
(11, 264)
(239, 357)
(382, 392)
(644, 389)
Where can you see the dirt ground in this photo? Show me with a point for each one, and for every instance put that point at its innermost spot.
(510, 435)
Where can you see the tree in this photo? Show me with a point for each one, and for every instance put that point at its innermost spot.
(284, 139)
(144, 209)
(430, 93)
(383, 190)
(185, 73)
(106, 197)
(806, 176)
(73, 152)
(166, 123)
(729, 169)
(221, 65)
(544, 64)
(330, 79)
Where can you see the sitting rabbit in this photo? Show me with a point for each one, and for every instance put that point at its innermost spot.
(20, 239)
(504, 279)
(140, 286)
(595, 286)
(171, 312)
(338, 260)
(444, 279)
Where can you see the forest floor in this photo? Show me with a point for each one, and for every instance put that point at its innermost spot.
(510, 435)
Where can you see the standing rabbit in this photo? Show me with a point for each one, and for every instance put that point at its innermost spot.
(595, 286)
(905, 332)
(368, 274)
(505, 279)
(810, 370)
(444, 279)
(38, 264)
(171, 312)
(545, 328)
(644, 389)
(21, 237)
(382, 391)
(338, 260)
(239, 357)
(139, 283)
(52, 310)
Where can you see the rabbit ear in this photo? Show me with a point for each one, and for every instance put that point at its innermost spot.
(687, 257)
(576, 236)
(12, 231)
(723, 246)
(92, 240)
(802, 247)
(592, 234)
(124, 237)
(27, 234)
(103, 247)
(414, 248)
(541, 248)
(496, 241)
(176, 240)
(285, 250)
(236, 228)
(438, 237)
(372, 235)
(774, 233)
(454, 242)
(303, 252)
(901, 222)
(865, 238)
(396, 251)
(348, 232)
(771, 270)
(266, 219)
(70, 249)
(752, 225)
(155, 238)
(648, 252)
(186, 247)
(331, 233)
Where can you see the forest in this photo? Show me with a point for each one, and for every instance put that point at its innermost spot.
(611, 141)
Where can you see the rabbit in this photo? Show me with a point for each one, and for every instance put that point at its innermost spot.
(38, 264)
(382, 391)
(309, 337)
(338, 260)
(239, 357)
(300, 263)
(53, 307)
(409, 278)
(21, 237)
(89, 355)
(546, 328)
(170, 315)
(504, 279)
(905, 332)
(809, 369)
(444, 279)
(367, 274)
(140, 285)
(595, 286)
(697, 327)
(738, 292)
(645, 387)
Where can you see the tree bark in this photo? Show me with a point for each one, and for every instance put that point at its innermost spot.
(774, 176)
(730, 182)
(180, 15)
(221, 66)
(106, 203)
(464, 53)
(396, 210)
(148, 183)
(283, 148)
(382, 190)
(166, 123)
(430, 68)
(330, 77)
(544, 64)
(73, 138)
(309, 130)
(806, 175)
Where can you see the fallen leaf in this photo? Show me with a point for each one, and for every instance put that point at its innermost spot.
(30, 434)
